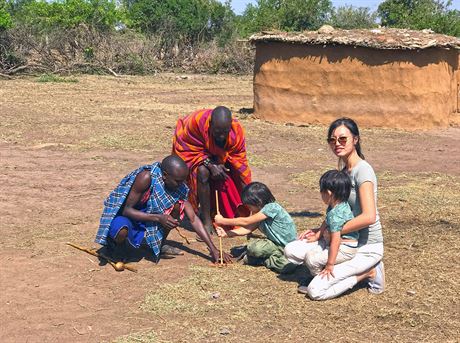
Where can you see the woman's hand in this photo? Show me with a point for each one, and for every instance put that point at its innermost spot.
(310, 235)
(327, 271)
(305, 234)
(221, 232)
(218, 219)
(313, 237)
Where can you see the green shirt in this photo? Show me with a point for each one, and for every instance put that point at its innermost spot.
(279, 226)
(336, 218)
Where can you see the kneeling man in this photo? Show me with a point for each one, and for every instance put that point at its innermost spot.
(148, 203)
(213, 145)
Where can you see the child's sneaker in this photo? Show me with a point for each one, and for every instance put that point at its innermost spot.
(377, 284)
(303, 286)
(239, 253)
(302, 289)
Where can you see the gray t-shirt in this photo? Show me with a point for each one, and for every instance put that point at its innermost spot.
(361, 173)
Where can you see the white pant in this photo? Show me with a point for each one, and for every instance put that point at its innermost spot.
(316, 258)
(345, 273)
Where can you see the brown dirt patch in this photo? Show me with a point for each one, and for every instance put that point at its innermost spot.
(63, 147)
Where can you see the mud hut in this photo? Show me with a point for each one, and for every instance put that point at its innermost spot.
(380, 77)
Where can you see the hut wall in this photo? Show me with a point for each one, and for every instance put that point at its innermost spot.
(457, 89)
(392, 88)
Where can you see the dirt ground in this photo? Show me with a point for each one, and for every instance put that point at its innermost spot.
(64, 146)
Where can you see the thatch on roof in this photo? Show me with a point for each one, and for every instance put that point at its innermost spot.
(381, 38)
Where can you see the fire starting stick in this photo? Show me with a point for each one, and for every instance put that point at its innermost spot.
(118, 266)
(182, 235)
(221, 255)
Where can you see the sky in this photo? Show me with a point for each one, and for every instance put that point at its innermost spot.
(240, 5)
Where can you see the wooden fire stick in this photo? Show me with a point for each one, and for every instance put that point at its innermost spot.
(221, 255)
(182, 235)
(118, 266)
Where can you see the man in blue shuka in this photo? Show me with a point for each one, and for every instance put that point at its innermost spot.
(148, 203)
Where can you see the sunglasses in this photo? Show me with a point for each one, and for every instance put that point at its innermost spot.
(342, 140)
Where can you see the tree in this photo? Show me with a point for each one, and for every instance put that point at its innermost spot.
(45, 15)
(289, 15)
(420, 14)
(5, 17)
(223, 23)
(185, 20)
(349, 17)
(299, 15)
(263, 16)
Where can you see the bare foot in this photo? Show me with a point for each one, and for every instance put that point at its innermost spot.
(372, 273)
(367, 275)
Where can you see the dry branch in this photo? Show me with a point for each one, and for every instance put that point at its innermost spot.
(99, 255)
(6, 76)
(16, 69)
(182, 235)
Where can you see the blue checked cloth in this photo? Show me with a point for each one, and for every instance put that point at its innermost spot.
(160, 200)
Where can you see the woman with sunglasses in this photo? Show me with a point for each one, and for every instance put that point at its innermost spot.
(344, 141)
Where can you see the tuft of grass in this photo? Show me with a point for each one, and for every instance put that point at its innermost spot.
(55, 78)
(244, 303)
(308, 179)
(423, 199)
(194, 294)
(144, 337)
(256, 160)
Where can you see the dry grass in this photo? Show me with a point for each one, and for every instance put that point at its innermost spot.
(136, 114)
(422, 227)
(100, 116)
(421, 199)
(142, 337)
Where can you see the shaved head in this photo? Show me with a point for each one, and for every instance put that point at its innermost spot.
(173, 164)
(221, 124)
(175, 171)
(221, 115)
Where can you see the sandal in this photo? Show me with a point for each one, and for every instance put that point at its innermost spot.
(168, 250)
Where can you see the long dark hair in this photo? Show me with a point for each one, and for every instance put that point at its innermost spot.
(257, 194)
(351, 125)
(337, 182)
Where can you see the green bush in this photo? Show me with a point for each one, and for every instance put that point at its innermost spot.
(180, 21)
(349, 17)
(44, 16)
(5, 17)
(421, 14)
(288, 15)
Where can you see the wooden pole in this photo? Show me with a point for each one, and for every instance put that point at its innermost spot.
(182, 235)
(118, 268)
(221, 255)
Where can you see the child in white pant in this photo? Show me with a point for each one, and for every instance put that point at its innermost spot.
(328, 246)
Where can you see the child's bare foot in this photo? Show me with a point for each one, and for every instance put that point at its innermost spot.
(376, 283)
(371, 274)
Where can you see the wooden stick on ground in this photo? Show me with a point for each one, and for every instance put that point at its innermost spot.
(182, 235)
(118, 266)
(6, 76)
(221, 255)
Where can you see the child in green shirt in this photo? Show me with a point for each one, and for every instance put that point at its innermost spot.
(270, 218)
(333, 246)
